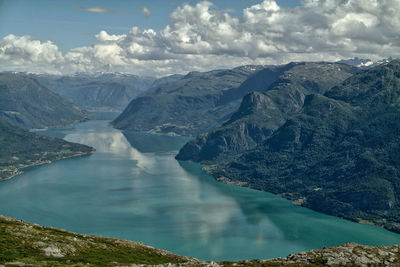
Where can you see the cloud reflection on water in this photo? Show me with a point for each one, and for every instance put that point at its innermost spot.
(160, 189)
(114, 142)
(146, 195)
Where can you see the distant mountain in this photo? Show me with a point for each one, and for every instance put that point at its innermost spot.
(339, 155)
(105, 90)
(194, 104)
(364, 63)
(260, 114)
(27, 103)
(20, 148)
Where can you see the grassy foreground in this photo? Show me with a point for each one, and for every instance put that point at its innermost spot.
(27, 244)
(24, 243)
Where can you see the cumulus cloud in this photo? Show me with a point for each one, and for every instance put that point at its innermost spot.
(146, 11)
(96, 9)
(200, 37)
(24, 53)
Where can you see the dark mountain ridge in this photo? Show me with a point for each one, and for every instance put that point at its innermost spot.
(260, 114)
(339, 155)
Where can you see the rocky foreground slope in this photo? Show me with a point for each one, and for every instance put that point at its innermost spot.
(27, 244)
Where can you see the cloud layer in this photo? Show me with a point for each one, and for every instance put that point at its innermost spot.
(200, 37)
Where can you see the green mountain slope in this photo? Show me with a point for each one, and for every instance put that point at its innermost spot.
(188, 106)
(25, 102)
(260, 114)
(20, 148)
(340, 155)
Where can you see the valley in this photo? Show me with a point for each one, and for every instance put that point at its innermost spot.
(280, 128)
(199, 133)
(133, 188)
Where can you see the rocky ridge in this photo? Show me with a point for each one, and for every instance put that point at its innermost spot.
(281, 95)
(30, 245)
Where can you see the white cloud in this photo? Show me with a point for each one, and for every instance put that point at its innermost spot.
(24, 53)
(199, 37)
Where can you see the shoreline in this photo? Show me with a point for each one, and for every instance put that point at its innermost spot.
(20, 170)
(301, 202)
(297, 201)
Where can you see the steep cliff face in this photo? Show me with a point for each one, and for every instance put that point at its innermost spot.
(26, 103)
(191, 105)
(235, 136)
(260, 114)
(339, 155)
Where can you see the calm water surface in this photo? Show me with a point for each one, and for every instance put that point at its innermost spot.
(133, 188)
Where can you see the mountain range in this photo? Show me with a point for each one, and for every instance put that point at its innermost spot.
(102, 90)
(365, 63)
(193, 104)
(324, 135)
(280, 95)
(338, 155)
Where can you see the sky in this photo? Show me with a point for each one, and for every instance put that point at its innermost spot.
(161, 37)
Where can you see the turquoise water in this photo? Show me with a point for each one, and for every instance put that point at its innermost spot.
(133, 188)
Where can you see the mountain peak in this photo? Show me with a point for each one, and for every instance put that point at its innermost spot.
(365, 86)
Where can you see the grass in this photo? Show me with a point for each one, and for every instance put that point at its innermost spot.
(27, 243)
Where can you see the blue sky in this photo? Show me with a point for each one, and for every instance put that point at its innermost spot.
(66, 23)
(167, 37)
